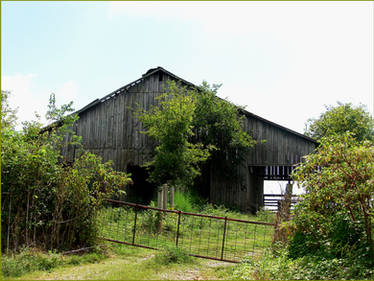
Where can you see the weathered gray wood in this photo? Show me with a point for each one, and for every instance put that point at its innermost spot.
(111, 130)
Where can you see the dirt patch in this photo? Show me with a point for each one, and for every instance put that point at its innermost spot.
(196, 272)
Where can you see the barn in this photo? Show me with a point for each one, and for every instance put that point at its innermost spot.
(109, 128)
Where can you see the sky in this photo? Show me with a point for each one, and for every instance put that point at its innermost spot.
(284, 61)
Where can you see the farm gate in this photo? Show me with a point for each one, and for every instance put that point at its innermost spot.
(204, 236)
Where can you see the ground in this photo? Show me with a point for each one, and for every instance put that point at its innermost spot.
(137, 264)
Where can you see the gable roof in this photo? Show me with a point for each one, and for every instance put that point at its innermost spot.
(153, 71)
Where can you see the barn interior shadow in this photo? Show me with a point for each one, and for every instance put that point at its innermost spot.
(141, 191)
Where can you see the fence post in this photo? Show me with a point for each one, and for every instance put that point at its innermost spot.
(172, 197)
(134, 230)
(8, 234)
(165, 189)
(179, 222)
(160, 197)
(224, 237)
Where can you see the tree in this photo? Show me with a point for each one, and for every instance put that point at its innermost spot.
(218, 122)
(189, 126)
(171, 125)
(336, 213)
(340, 119)
(50, 203)
(8, 114)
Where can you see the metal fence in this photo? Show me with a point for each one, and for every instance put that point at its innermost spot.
(205, 236)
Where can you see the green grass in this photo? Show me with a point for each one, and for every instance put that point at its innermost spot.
(197, 235)
(278, 266)
(130, 263)
(200, 236)
(30, 259)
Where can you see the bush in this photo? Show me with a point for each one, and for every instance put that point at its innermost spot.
(336, 213)
(281, 267)
(49, 202)
(31, 259)
(28, 260)
(183, 201)
(172, 254)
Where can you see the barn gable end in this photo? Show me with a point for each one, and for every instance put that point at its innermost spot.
(109, 128)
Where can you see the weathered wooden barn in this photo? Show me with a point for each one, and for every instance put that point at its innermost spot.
(109, 128)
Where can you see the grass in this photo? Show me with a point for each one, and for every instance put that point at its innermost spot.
(197, 235)
(278, 266)
(131, 263)
(31, 259)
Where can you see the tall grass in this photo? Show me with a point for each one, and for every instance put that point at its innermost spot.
(197, 235)
(183, 201)
(31, 259)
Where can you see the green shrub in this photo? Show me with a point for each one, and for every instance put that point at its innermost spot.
(30, 259)
(281, 267)
(50, 202)
(172, 254)
(183, 201)
(336, 213)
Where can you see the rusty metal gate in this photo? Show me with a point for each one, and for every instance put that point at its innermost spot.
(204, 236)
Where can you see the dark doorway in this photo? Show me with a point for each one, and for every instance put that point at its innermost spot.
(202, 182)
(142, 191)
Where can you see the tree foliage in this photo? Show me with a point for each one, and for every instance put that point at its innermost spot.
(336, 214)
(189, 127)
(50, 203)
(218, 122)
(171, 125)
(8, 114)
(340, 119)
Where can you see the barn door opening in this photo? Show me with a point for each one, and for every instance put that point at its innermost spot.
(142, 191)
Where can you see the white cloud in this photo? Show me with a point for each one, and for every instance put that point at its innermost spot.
(67, 92)
(29, 98)
(22, 95)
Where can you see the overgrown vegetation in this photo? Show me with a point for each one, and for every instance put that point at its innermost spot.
(196, 235)
(279, 266)
(336, 214)
(31, 259)
(191, 126)
(48, 202)
(337, 120)
(331, 233)
(121, 262)
(172, 254)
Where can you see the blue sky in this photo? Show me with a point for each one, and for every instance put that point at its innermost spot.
(283, 60)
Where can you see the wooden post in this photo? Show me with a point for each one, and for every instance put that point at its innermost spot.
(172, 189)
(283, 215)
(287, 202)
(165, 196)
(160, 199)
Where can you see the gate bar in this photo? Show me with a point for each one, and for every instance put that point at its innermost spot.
(185, 213)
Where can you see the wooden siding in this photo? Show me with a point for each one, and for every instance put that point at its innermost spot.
(279, 148)
(109, 128)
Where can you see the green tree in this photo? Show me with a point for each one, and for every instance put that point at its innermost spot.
(51, 203)
(171, 125)
(336, 214)
(189, 126)
(340, 119)
(8, 114)
(218, 122)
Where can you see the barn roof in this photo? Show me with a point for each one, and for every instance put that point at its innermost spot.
(153, 71)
